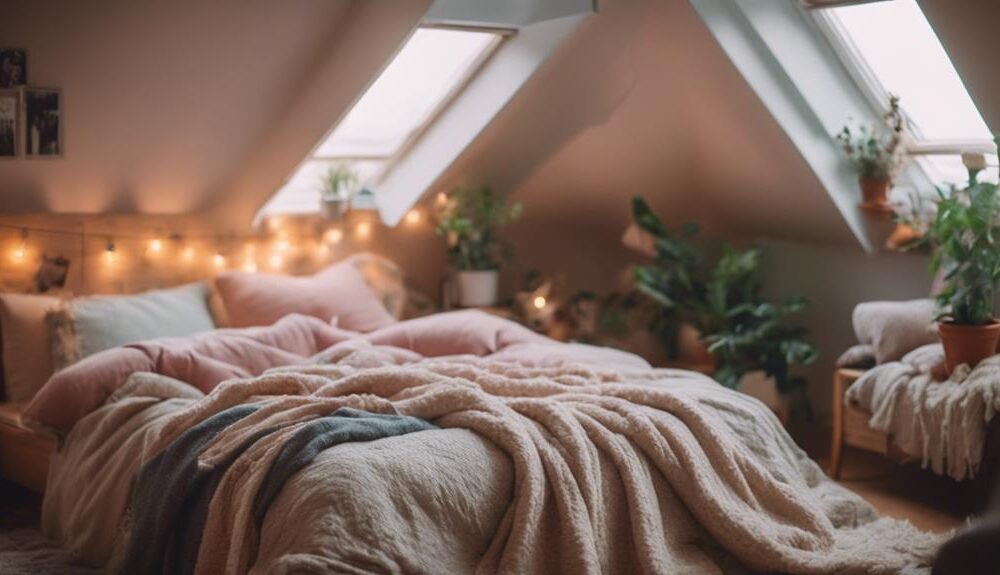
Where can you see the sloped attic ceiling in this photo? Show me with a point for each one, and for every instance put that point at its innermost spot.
(170, 106)
(643, 101)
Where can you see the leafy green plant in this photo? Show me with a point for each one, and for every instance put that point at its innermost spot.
(743, 331)
(469, 219)
(876, 152)
(338, 181)
(964, 236)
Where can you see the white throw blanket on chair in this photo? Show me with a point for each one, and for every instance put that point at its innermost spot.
(943, 423)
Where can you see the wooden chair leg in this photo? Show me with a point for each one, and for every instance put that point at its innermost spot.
(838, 426)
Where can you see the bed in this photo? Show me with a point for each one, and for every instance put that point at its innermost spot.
(457, 442)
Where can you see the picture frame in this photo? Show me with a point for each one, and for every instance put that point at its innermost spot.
(10, 123)
(13, 68)
(43, 122)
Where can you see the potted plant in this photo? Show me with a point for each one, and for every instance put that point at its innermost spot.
(339, 183)
(469, 219)
(876, 154)
(964, 235)
(741, 329)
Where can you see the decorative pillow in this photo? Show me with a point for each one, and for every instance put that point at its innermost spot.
(384, 278)
(860, 356)
(88, 325)
(895, 328)
(339, 291)
(27, 365)
(467, 331)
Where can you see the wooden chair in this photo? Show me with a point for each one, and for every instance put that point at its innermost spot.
(850, 426)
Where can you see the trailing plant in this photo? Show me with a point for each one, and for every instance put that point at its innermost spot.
(743, 331)
(338, 180)
(469, 219)
(964, 236)
(876, 152)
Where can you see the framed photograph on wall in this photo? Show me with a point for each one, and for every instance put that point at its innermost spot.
(13, 68)
(9, 123)
(42, 122)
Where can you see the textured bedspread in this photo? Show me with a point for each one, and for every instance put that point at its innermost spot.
(549, 458)
(943, 423)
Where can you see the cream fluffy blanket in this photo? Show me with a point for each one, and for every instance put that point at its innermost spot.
(941, 423)
(563, 468)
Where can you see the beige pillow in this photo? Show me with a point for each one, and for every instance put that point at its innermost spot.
(27, 364)
(895, 328)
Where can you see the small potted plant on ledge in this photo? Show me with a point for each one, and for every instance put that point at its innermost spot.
(339, 183)
(964, 236)
(876, 154)
(469, 219)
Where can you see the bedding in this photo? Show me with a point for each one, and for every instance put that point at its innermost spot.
(543, 457)
(339, 291)
(202, 361)
(84, 326)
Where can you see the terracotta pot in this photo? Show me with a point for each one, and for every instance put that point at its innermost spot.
(968, 344)
(902, 236)
(874, 193)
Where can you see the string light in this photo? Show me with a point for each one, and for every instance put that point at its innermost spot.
(21, 251)
(539, 302)
(219, 261)
(441, 199)
(363, 230)
(250, 258)
(276, 261)
(282, 245)
(413, 217)
(188, 254)
(333, 236)
(111, 253)
(156, 245)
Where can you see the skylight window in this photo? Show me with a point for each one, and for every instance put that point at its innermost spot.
(430, 70)
(890, 47)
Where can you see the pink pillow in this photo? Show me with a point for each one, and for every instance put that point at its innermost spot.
(339, 291)
(461, 332)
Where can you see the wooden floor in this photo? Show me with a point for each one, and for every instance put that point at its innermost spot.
(930, 502)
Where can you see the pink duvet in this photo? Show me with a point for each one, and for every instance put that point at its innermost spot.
(206, 360)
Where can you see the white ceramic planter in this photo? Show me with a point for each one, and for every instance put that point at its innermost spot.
(478, 288)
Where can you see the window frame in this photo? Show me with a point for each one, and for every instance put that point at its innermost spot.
(390, 160)
(872, 90)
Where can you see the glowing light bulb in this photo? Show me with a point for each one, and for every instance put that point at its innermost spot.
(539, 302)
(111, 254)
(282, 245)
(219, 261)
(156, 245)
(413, 217)
(363, 230)
(441, 199)
(188, 254)
(276, 261)
(333, 236)
(249, 266)
(21, 251)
